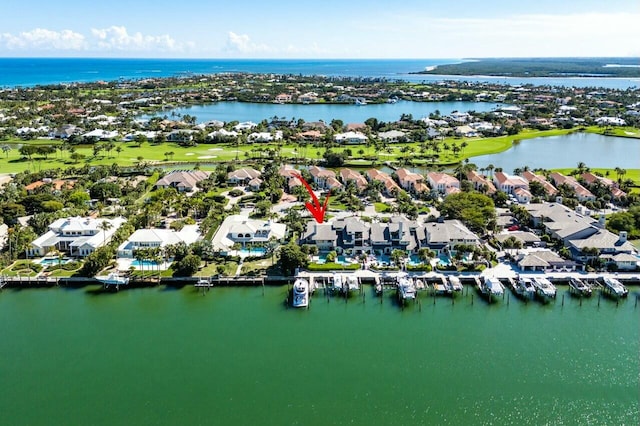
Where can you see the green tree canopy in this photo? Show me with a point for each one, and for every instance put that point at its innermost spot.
(475, 210)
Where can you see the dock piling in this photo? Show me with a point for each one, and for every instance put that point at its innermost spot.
(563, 300)
(508, 299)
(472, 299)
(636, 304)
(599, 297)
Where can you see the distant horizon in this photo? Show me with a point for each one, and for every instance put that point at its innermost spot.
(302, 30)
(319, 59)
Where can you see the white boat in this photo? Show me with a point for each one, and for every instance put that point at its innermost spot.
(351, 284)
(419, 284)
(337, 282)
(441, 286)
(300, 293)
(455, 284)
(544, 288)
(524, 287)
(615, 287)
(406, 289)
(113, 279)
(492, 287)
(579, 287)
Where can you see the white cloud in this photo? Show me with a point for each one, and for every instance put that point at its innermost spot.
(111, 39)
(241, 43)
(43, 39)
(118, 38)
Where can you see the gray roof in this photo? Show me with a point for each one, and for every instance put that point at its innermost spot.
(603, 239)
(319, 232)
(447, 231)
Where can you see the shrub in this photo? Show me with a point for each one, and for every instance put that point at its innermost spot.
(333, 267)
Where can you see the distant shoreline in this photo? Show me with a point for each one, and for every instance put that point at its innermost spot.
(540, 67)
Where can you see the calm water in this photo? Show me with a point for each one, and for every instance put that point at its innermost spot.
(235, 356)
(243, 111)
(33, 71)
(566, 151)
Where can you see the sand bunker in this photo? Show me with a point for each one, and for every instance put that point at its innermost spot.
(206, 157)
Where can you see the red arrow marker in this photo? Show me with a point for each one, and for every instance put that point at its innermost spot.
(317, 210)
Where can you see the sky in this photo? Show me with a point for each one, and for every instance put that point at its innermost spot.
(319, 29)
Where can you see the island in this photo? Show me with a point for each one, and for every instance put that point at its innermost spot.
(541, 67)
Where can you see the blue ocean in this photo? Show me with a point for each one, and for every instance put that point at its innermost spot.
(26, 72)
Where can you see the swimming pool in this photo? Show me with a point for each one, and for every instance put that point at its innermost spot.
(144, 264)
(255, 251)
(53, 261)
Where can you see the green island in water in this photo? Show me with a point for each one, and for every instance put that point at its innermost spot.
(542, 67)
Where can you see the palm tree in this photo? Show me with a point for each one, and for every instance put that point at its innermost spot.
(105, 225)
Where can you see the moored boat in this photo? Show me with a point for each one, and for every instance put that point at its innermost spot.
(491, 287)
(300, 293)
(455, 284)
(614, 287)
(441, 286)
(337, 282)
(113, 279)
(544, 289)
(351, 284)
(524, 287)
(406, 289)
(579, 287)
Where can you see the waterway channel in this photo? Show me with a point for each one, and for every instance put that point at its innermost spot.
(238, 356)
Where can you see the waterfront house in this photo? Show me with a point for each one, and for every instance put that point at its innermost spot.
(612, 185)
(549, 189)
(443, 183)
(442, 237)
(222, 134)
(576, 231)
(245, 125)
(322, 235)
(76, 236)
(265, 136)
(323, 178)
(392, 136)
(582, 193)
(398, 234)
(509, 183)
(247, 233)
(157, 238)
(182, 180)
(390, 186)
(411, 181)
(100, 134)
(545, 261)
(623, 261)
(481, 183)
(349, 175)
(351, 138)
(283, 98)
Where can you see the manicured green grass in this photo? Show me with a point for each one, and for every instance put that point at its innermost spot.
(208, 154)
(256, 267)
(332, 267)
(633, 174)
(381, 207)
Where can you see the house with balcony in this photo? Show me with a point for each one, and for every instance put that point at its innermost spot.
(349, 175)
(481, 183)
(247, 233)
(582, 193)
(411, 181)
(549, 189)
(159, 238)
(443, 183)
(509, 183)
(75, 236)
(390, 186)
